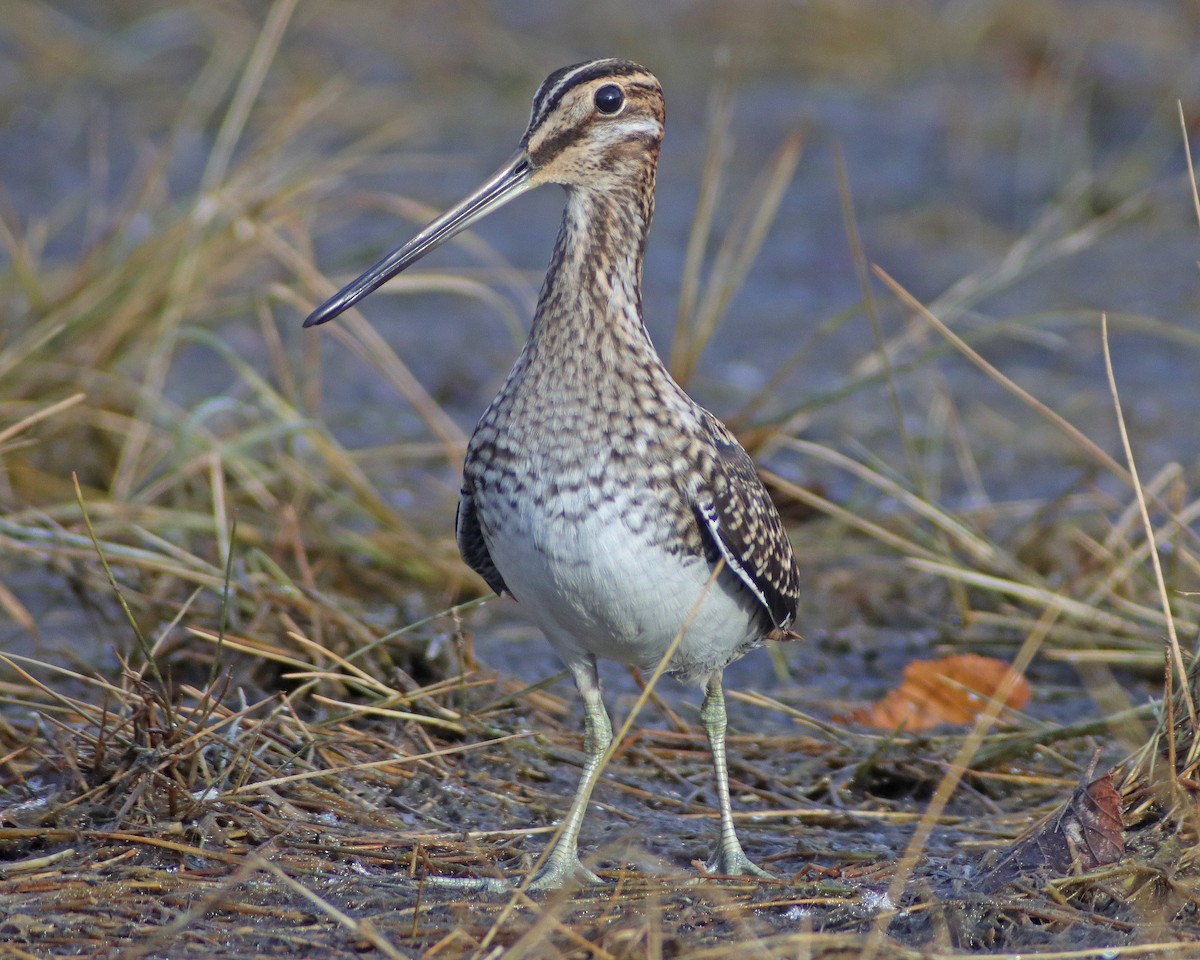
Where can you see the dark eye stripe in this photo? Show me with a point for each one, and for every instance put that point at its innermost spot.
(558, 84)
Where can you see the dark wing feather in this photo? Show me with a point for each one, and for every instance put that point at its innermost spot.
(471, 544)
(734, 510)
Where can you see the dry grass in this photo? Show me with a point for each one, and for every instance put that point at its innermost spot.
(272, 761)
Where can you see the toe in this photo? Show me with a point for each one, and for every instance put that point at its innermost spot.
(733, 862)
(565, 872)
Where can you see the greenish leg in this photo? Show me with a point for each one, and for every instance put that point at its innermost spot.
(561, 866)
(729, 858)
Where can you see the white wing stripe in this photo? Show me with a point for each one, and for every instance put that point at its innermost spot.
(713, 522)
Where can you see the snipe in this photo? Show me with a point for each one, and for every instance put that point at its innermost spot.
(595, 491)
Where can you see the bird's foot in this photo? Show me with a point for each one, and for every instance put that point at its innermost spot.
(558, 872)
(471, 884)
(730, 860)
(555, 873)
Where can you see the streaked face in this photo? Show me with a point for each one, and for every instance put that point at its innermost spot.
(591, 121)
(594, 125)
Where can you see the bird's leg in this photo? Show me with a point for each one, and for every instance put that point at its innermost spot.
(562, 864)
(729, 859)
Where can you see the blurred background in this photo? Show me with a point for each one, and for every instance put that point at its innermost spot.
(182, 181)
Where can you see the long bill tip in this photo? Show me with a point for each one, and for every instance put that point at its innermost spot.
(350, 294)
(507, 182)
(317, 317)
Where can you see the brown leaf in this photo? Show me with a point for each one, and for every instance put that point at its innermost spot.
(1084, 833)
(954, 689)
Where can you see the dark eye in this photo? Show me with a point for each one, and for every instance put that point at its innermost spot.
(609, 98)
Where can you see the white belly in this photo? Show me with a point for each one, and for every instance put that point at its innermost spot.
(596, 589)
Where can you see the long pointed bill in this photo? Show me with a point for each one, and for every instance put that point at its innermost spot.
(509, 181)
